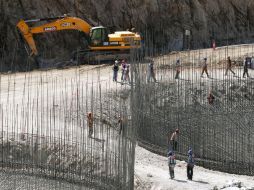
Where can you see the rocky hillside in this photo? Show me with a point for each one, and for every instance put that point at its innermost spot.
(163, 22)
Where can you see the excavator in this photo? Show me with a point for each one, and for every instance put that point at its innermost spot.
(100, 44)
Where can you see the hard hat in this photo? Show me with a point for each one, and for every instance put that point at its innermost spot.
(116, 61)
(177, 130)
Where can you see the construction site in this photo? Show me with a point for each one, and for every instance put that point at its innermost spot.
(100, 115)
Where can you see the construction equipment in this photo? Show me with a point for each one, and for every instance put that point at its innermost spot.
(101, 44)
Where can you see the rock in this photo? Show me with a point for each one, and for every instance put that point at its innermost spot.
(221, 20)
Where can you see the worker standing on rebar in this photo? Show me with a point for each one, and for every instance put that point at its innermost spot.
(190, 164)
(115, 70)
(178, 67)
(90, 124)
(210, 97)
(204, 68)
(245, 68)
(173, 140)
(151, 72)
(171, 164)
(229, 66)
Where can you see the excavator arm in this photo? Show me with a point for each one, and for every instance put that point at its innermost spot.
(58, 23)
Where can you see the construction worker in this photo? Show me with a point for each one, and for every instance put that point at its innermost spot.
(213, 44)
(171, 164)
(90, 124)
(210, 98)
(123, 69)
(173, 140)
(245, 68)
(127, 71)
(204, 68)
(115, 70)
(190, 164)
(229, 66)
(151, 72)
(177, 69)
(120, 124)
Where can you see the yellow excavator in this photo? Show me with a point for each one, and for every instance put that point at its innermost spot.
(101, 44)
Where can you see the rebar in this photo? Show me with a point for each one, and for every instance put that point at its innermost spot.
(44, 130)
(220, 134)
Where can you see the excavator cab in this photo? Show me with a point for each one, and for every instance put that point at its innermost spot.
(99, 36)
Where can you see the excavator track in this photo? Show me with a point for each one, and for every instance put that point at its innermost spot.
(98, 57)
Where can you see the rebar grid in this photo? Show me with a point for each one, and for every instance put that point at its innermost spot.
(44, 130)
(220, 134)
(44, 126)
